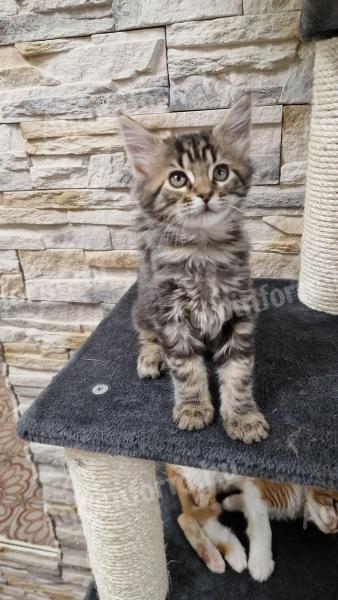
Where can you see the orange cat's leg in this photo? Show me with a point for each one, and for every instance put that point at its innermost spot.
(201, 544)
(227, 543)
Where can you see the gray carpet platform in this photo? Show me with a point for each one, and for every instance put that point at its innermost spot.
(296, 385)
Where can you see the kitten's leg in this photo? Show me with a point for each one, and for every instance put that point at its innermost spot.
(234, 359)
(193, 408)
(151, 361)
(260, 562)
(201, 544)
(227, 543)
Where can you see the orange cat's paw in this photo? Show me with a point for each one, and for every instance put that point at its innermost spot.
(236, 556)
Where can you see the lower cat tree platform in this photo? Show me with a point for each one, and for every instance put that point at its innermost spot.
(306, 563)
(102, 413)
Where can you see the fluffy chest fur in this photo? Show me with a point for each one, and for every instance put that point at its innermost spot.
(205, 282)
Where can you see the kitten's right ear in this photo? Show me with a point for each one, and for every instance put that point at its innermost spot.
(144, 148)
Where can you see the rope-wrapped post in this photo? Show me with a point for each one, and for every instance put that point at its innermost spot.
(318, 284)
(118, 505)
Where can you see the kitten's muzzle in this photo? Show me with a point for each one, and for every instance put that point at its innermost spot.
(205, 197)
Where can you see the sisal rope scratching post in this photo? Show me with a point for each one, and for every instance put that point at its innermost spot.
(318, 283)
(120, 513)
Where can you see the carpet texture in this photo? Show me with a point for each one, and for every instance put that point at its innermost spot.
(306, 563)
(296, 385)
(319, 19)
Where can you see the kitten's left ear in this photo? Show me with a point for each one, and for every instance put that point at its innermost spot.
(233, 133)
(144, 148)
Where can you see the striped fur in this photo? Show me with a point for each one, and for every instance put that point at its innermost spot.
(194, 289)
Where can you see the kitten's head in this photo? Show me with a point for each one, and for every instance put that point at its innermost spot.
(196, 180)
(322, 508)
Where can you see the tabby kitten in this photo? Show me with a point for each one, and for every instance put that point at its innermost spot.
(259, 500)
(194, 288)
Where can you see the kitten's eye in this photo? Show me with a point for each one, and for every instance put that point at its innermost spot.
(221, 173)
(178, 179)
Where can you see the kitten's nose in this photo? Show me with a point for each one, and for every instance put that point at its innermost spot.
(206, 197)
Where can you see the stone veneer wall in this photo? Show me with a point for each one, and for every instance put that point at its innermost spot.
(67, 247)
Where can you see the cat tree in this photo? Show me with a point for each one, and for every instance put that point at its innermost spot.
(115, 426)
(318, 283)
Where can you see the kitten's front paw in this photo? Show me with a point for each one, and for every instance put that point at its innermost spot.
(260, 567)
(193, 415)
(249, 427)
(150, 365)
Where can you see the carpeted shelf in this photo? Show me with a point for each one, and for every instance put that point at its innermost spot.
(296, 385)
(97, 403)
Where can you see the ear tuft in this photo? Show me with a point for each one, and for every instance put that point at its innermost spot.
(143, 147)
(233, 133)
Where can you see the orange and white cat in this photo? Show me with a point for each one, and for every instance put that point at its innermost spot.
(259, 500)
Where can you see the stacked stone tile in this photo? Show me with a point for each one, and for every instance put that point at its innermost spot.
(67, 244)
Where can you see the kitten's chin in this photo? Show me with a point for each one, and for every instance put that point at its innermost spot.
(205, 220)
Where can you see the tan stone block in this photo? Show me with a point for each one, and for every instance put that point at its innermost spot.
(265, 238)
(52, 129)
(28, 49)
(75, 145)
(75, 340)
(289, 225)
(31, 216)
(109, 288)
(72, 199)
(53, 263)
(12, 286)
(112, 259)
(29, 348)
(295, 132)
(80, 577)
(108, 126)
(282, 247)
(27, 378)
(75, 558)
(34, 356)
(272, 264)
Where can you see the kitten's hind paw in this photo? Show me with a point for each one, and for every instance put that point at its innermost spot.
(191, 415)
(260, 567)
(249, 427)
